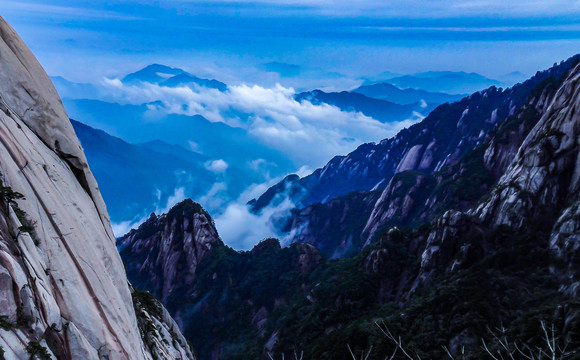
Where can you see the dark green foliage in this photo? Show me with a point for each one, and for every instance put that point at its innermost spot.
(23, 320)
(5, 324)
(187, 208)
(9, 196)
(354, 207)
(37, 351)
(470, 180)
(148, 302)
(230, 288)
(338, 303)
(144, 301)
(2, 353)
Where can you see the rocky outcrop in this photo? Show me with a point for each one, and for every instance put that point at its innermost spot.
(163, 254)
(452, 158)
(545, 174)
(210, 289)
(450, 131)
(537, 196)
(333, 227)
(63, 288)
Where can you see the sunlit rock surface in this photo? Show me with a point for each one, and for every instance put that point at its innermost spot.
(62, 283)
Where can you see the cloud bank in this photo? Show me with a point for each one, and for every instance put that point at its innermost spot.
(122, 228)
(309, 134)
(242, 229)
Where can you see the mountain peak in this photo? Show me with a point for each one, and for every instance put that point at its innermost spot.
(176, 243)
(153, 73)
(187, 208)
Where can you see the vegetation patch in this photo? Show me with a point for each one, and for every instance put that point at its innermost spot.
(5, 324)
(37, 351)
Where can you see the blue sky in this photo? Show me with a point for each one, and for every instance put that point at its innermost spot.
(86, 40)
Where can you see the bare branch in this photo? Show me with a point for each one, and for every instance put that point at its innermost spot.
(448, 353)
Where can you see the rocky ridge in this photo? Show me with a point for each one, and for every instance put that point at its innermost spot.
(506, 253)
(166, 250)
(205, 284)
(451, 159)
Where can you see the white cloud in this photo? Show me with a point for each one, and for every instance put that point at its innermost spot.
(241, 229)
(304, 171)
(178, 196)
(193, 146)
(420, 8)
(122, 228)
(309, 134)
(63, 11)
(215, 198)
(216, 166)
(257, 164)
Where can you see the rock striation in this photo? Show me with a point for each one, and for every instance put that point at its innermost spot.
(63, 288)
(162, 256)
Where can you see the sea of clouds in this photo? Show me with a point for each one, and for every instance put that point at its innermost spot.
(309, 134)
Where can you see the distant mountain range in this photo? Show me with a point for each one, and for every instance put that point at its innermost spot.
(153, 170)
(182, 136)
(466, 222)
(129, 175)
(451, 82)
(171, 77)
(389, 92)
(382, 110)
(154, 74)
(71, 90)
(415, 157)
(137, 123)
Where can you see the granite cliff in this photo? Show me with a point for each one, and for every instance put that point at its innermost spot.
(63, 290)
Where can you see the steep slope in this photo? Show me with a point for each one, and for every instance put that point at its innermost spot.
(63, 290)
(509, 259)
(419, 170)
(208, 286)
(163, 253)
(142, 189)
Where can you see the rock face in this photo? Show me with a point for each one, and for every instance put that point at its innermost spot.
(163, 254)
(63, 288)
(449, 159)
(208, 286)
(537, 196)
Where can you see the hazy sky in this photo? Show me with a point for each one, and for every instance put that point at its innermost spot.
(88, 39)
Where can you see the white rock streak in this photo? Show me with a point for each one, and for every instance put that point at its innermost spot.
(65, 280)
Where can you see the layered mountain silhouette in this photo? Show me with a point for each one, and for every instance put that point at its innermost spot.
(461, 224)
